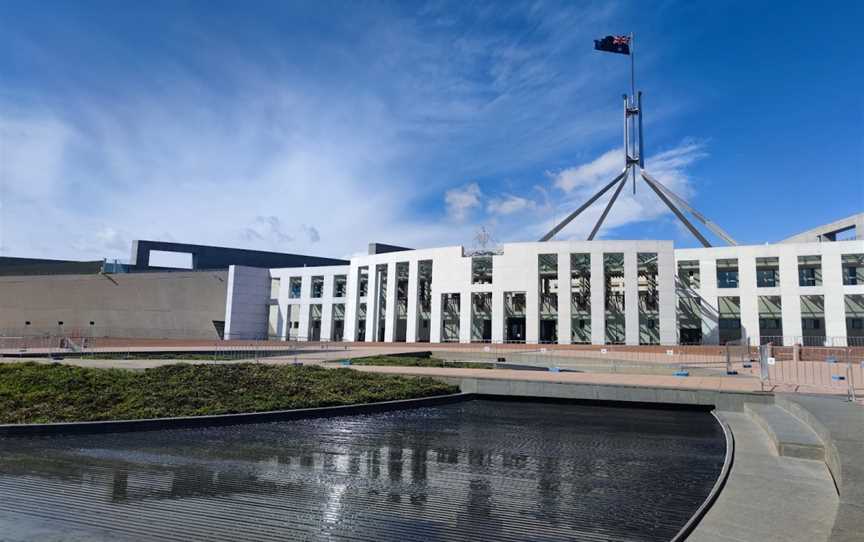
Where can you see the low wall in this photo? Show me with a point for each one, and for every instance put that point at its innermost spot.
(185, 422)
(721, 400)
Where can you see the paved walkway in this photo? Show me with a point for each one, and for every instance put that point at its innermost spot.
(730, 383)
(768, 498)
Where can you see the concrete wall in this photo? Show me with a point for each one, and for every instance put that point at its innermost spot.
(247, 302)
(176, 304)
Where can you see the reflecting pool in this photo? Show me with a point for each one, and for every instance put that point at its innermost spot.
(478, 470)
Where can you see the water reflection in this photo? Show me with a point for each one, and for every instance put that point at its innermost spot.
(479, 470)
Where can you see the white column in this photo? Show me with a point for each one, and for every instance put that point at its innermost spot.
(631, 299)
(326, 318)
(465, 316)
(411, 324)
(435, 316)
(390, 312)
(303, 331)
(372, 305)
(668, 299)
(710, 305)
(497, 315)
(564, 317)
(832, 287)
(352, 304)
(532, 301)
(790, 300)
(749, 297)
(598, 300)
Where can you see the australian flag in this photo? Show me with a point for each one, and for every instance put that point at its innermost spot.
(614, 44)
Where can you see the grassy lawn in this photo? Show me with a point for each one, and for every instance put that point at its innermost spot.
(418, 361)
(36, 393)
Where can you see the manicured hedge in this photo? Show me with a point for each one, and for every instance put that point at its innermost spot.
(40, 393)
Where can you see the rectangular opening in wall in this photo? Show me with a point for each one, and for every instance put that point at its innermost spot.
(853, 269)
(854, 308)
(613, 278)
(424, 300)
(547, 274)
(337, 325)
(173, 260)
(729, 309)
(649, 298)
(481, 270)
(381, 301)
(481, 317)
(363, 282)
(580, 298)
(295, 285)
(770, 320)
(514, 317)
(767, 272)
(340, 286)
(361, 322)
(275, 283)
(450, 311)
(727, 273)
(292, 319)
(317, 287)
(689, 320)
(273, 322)
(401, 330)
(813, 320)
(314, 322)
(688, 274)
(810, 270)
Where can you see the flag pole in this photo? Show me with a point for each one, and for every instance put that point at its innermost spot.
(633, 92)
(632, 68)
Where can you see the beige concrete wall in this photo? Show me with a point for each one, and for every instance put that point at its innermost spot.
(175, 304)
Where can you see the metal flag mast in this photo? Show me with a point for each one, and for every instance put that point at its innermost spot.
(634, 158)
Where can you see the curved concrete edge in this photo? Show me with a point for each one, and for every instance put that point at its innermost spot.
(186, 422)
(832, 456)
(840, 425)
(718, 484)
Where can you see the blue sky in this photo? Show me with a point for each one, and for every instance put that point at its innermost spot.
(320, 126)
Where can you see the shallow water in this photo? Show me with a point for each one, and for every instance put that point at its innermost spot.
(480, 470)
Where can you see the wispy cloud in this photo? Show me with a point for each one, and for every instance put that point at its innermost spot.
(460, 201)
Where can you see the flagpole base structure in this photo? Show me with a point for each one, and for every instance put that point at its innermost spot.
(634, 158)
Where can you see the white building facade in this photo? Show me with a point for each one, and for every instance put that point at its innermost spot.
(563, 292)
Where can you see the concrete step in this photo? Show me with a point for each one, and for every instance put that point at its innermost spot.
(791, 436)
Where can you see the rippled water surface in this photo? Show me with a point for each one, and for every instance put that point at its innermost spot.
(480, 470)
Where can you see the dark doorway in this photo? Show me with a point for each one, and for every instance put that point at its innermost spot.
(515, 330)
(548, 331)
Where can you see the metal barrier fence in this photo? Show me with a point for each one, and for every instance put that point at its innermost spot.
(786, 364)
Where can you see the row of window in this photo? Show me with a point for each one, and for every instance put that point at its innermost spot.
(295, 285)
(768, 271)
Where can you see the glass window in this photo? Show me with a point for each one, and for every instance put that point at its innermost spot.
(810, 270)
(274, 287)
(767, 272)
(340, 286)
(363, 281)
(318, 286)
(294, 287)
(688, 273)
(481, 270)
(727, 273)
(450, 311)
(853, 269)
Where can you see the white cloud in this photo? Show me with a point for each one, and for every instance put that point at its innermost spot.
(460, 201)
(508, 204)
(597, 172)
